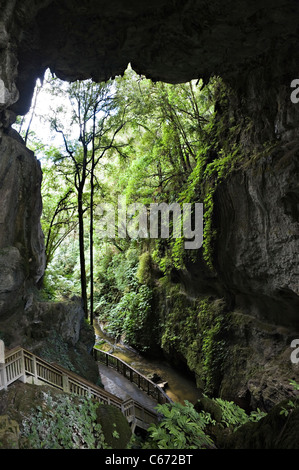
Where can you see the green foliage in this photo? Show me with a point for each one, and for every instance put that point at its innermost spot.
(62, 276)
(61, 423)
(59, 208)
(172, 147)
(292, 404)
(182, 427)
(129, 314)
(168, 149)
(157, 156)
(196, 329)
(144, 271)
(295, 385)
(124, 303)
(211, 324)
(124, 270)
(234, 416)
(213, 175)
(180, 323)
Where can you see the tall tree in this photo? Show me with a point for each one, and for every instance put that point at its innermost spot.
(92, 107)
(59, 211)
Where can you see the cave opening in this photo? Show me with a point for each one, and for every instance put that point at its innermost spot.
(163, 130)
(65, 116)
(228, 312)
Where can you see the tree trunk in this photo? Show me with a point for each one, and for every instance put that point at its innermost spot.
(82, 252)
(91, 243)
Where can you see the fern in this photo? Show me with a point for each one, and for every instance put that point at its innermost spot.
(234, 416)
(182, 427)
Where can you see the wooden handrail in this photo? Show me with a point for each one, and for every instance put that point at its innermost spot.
(21, 364)
(136, 377)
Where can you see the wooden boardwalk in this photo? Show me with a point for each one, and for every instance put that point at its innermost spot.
(121, 387)
(20, 364)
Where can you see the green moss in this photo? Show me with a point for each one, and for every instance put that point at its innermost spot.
(212, 327)
(178, 331)
(55, 349)
(144, 271)
(195, 329)
(115, 427)
(9, 433)
(210, 406)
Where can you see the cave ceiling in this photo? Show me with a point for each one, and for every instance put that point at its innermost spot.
(169, 40)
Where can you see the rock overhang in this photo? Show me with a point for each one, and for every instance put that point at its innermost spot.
(172, 41)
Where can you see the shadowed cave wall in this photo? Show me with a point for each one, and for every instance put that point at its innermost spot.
(253, 47)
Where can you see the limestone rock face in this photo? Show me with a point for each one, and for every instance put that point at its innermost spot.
(170, 41)
(11, 280)
(257, 247)
(21, 238)
(21, 204)
(256, 252)
(257, 260)
(57, 332)
(54, 331)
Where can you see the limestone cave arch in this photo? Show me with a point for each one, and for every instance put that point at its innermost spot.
(251, 45)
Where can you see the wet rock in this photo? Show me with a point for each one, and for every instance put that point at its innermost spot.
(258, 237)
(163, 385)
(154, 377)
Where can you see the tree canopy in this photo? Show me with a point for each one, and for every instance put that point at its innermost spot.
(132, 138)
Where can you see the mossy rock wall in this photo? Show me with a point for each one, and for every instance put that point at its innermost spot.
(192, 334)
(274, 431)
(229, 354)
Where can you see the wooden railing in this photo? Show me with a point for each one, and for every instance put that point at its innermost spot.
(14, 368)
(133, 375)
(23, 365)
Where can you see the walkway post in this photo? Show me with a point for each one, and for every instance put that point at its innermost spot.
(3, 377)
(23, 377)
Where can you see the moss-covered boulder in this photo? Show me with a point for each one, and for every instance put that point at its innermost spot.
(115, 427)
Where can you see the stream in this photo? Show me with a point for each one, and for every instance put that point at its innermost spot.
(179, 386)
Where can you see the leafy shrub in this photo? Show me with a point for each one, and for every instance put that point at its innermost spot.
(233, 415)
(129, 315)
(182, 427)
(61, 423)
(292, 404)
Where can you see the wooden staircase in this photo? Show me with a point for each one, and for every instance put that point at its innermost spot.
(20, 364)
